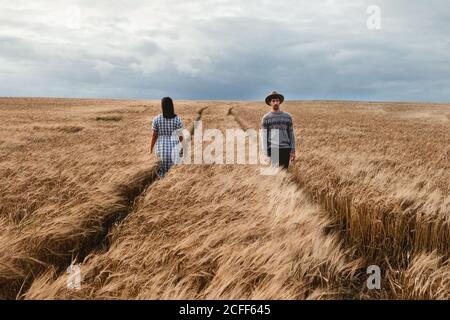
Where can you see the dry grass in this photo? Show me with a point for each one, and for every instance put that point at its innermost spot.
(109, 118)
(61, 188)
(216, 232)
(427, 277)
(379, 172)
(235, 239)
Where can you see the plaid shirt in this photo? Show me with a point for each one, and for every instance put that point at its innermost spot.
(167, 144)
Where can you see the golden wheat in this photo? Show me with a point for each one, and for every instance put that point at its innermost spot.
(381, 171)
(60, 187)
(215, 232)
(72, 169)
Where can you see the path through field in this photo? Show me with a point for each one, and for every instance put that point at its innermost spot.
(218, 231)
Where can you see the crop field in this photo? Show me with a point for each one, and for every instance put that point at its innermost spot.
(78, 186)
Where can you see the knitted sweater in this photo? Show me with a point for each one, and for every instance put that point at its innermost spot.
(281, 138)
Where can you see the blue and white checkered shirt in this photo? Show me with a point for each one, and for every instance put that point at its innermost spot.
(167, 145)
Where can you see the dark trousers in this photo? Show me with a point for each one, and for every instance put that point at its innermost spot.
(283, 158)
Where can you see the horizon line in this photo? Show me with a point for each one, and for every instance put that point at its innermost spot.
(228, 100)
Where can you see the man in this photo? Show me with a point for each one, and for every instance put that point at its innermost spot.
(279, 142)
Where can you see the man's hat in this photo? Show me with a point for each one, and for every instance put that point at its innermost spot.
(275, 95)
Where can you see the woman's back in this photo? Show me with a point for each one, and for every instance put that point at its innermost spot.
(165, 126)
(167, 144)
(167, 136)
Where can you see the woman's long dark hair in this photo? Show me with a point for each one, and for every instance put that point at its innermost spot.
(167, 108)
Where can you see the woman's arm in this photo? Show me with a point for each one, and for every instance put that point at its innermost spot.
(180, 128)
(154, 138)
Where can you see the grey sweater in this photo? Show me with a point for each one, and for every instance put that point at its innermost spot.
(283, 122)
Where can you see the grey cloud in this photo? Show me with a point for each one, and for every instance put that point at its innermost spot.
(230, 50)
(148, 47)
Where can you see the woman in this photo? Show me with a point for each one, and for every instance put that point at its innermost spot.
(166, 135)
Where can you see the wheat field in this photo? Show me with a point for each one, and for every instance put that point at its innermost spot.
(78, 185)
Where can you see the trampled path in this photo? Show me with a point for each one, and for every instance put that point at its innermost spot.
(285, 204)
(131, 193)
(351, 219)
(361, 276)
(178, 243)
(97, 240)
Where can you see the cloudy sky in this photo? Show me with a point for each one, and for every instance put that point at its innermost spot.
(233, 49)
